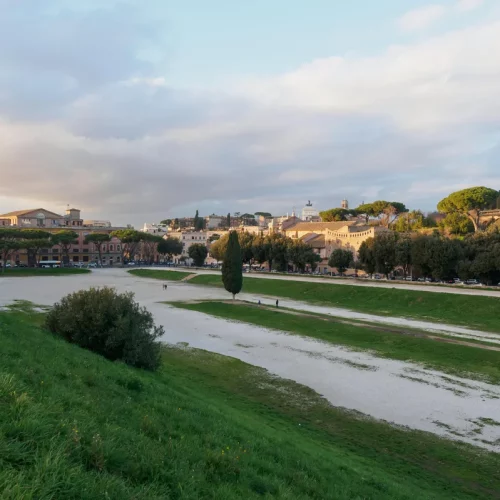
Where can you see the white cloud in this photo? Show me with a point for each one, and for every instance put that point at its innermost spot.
(406, 124)
(468, 5)
(422, 18)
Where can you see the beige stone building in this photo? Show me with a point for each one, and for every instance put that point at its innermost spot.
(325, 237)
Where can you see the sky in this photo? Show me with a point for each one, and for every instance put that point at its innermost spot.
(139, 110)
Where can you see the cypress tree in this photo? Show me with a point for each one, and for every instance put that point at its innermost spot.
(232, 275)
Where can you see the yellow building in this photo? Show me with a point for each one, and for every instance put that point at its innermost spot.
(325, 237)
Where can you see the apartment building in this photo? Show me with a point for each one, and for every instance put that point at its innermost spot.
(79, 252)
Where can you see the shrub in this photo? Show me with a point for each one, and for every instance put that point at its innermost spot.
(110, 324)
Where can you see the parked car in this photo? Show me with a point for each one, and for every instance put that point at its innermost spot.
(473, 282)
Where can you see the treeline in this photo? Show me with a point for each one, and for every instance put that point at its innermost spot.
(433, 256)
(276, 250)
(133, 244)
(460, 213)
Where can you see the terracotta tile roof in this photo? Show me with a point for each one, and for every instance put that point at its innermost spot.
(19, 213)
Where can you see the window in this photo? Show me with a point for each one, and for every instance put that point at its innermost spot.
(104, 258)
(118, 259)
(85, 250)
(104, 248)
(85, 258)
(110, 248)
(75, 250)
(76, 258)
(118, 248)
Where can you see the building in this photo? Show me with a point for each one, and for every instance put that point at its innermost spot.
(344, 204)
(79, 252)
(489, 216)
(325, 237)
(278, 224)
(309, 213)
(96, 223)
(215, 221)
(187, 239)
(156, 229)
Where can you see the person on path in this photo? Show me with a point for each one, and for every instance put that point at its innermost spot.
(277, 303)
(259, 302)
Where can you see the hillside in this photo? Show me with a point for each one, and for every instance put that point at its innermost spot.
(74, 425)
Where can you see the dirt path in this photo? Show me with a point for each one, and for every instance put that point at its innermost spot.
(190, 277)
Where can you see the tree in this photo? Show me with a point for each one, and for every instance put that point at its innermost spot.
(410, 221)
(263, 214)
(335, 214)
(199, 222)
(148, 246)
(65, 239)
(457, 224)
(228, 221)
(277, 249)
(387, 212)
(33, 240)
(384, 252)
(214, 237)
(435, 256)
(246, 244)
(198, 252)
(166, 222)
(130, 240)
(341, 259)
(259, 249)
(98, 240)
(366, 256)
(301, 254)
(170, 247)
(481, 257)
(9, 241)
(218, 249)
(391, 212)
(470, 202)
(404, 254)
(232, 275)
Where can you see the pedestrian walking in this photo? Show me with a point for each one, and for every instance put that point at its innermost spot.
(277, 303)
(259, 302)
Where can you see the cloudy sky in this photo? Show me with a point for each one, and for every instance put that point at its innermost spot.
(136, 110)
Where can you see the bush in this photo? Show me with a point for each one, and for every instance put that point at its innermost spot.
(110, 324)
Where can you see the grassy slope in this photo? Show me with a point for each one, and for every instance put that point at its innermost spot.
(155, 274)
(473, 311)
(451, 358)
(73, 425)
(16, 272)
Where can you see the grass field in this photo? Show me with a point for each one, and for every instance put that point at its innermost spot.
(19, 272)
(466, 310)
(385, 342)
(155, 274)
(74, 425)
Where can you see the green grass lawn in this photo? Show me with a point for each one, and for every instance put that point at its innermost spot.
(74, 425)
(159, 275)
(467, 310)
(383, 341)
(19, 272)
